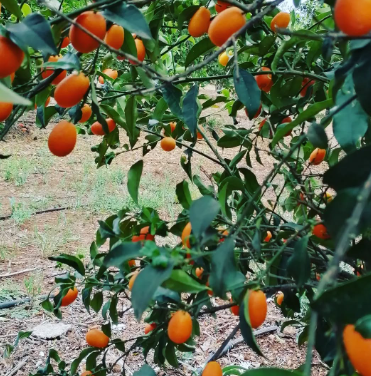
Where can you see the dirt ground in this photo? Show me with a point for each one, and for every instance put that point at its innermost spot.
(31, 180)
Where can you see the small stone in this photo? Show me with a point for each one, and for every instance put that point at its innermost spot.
(51, 330)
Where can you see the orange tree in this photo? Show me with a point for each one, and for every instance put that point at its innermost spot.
(134, 67)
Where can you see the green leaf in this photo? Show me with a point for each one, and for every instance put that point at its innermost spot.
(26, 10)
(198, 49)
(121, 253)
(96, 109)
(363, 326)
(130, 18)
(97, 301)
(351, 171)
(180, 281)
(202, 212)
(12, 7)
(286, 45)
(9, 96)
(362, 79)
(317, 136)
(134, 176)
(131, 115)
(347, 302)
(47, 305)
(310, 112)
(69, 61)
(183, 194)
(145, 286)
(298, 265)
(160, 109)
(271, 372)
(351, 123)
(170, 355)
(172, 96)
(34, 31)
(190, 109)
(247, 91)
(187, 14)
(146, 370)
(72, 261)
(129, 44)
(83, 354)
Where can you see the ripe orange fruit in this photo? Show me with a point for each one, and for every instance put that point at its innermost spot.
(5, 110)
(65, 43)
(306, 84)
(327, 197)
(95, 23)
(262, 124)
(96, 338)
(225, 233)
(212, 369)
(98, 130)
(317, 156)
(280, 20)
(49, 71)
(172, 126)
(358, 350)
(141, 51)
(70, 297)
(70, 91)
(149, 328)
(199, 272)
(320, 231)
(115, 36)
(179, 329)
(12, 57)
(257, 308)
(264, 81)
(353, 17)
(223, 59)
(12, 75)
(287, 120)
(225, 24)
(235, 309)
(280, 297)
(86, 113)
(199, 135)
(62, 139)
(199, 23)
(268, 237)
(110, 73)
(220, 6)
(131, 263)
(257, 113)
(86, 373)
(168, 144)
(210, 292)
(132, 280)
(146, 234)
(186, 234)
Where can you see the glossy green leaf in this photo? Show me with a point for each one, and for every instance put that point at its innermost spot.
(271, 372)
(97, 301)
(202, 212)
(362, 79)
(134, 176)
(363, 326)
(12, 7)
(190, 109)
(146, 370)
(198, 50)
(72, 261)
(9, 96)
(83, 354)
(298, 265)
(183, 194)
(172, 96)
(317, 136)
(121, 253)
(131, 114)
(180, 281)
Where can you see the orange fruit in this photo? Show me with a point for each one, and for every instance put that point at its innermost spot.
(86, 113)
(86, 373)
(71, 90)
(62, 139)
(98, 130)
(95, 23)
(66, 42)
(327, 197)
(225, 24)
(257, 308)
(12, 57)
(149, 328)
(210, 292)
(268, 237)
(5, 110)
(306, 84)
(199, 135)
(225, 233)
(115, 36)
(212, 369)
(179, 328)
(235, 309)
(280, 20)
(358, 350)
(287, 120)
(49, 71)
(353, 17)
(199, 23)
(168, 144)
(262, 124)
(131, 263)
(320, 231)
(141, 51)
(172, 126)
(220, 6)
(280, 297)
(70, 297)
(186, 234)
(110, 73)
(96, 338)
(12, 75)
(147, 236)
(317, 156)
(264, 81)
(199, 272)
(132, 280)
(223, 59)
(257, 113)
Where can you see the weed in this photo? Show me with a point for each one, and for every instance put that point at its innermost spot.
(17, 170)
(20, 212)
